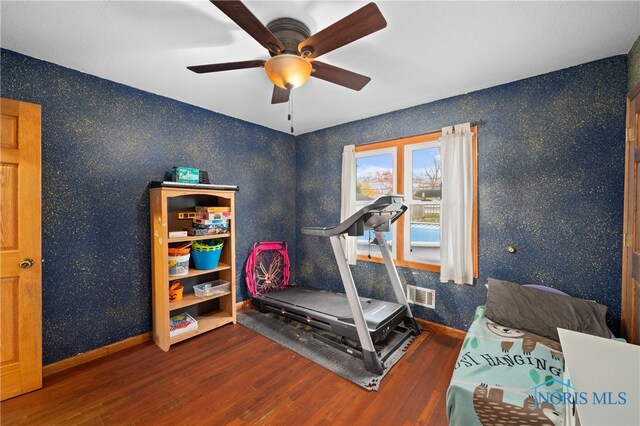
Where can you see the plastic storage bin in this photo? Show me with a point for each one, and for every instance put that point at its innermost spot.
(206, 254)
(211, 288)
(180, 249)
(178, 265)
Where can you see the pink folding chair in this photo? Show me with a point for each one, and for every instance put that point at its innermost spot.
(267, 267)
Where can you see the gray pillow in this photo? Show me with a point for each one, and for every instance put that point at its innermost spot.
(541, 312)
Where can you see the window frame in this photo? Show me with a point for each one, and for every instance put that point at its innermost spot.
(400, 227)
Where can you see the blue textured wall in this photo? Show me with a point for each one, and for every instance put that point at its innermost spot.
(102, 143)
(550, 176)
(551, 156)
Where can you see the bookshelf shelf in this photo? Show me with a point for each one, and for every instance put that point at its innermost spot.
(191, 299)
(206, 323)
(196, 238)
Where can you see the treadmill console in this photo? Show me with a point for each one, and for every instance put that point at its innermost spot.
(378, 215)
(383, 212)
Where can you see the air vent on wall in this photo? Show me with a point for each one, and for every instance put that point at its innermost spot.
(421, 296)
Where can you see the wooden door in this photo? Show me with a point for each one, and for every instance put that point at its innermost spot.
(630, 325)
(20, 250)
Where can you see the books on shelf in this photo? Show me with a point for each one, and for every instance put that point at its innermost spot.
(181, 323)
(196, 231)
(212, 215)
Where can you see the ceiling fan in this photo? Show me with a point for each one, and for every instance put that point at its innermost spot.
(294, 51)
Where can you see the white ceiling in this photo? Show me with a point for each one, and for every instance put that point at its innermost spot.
(429, 50)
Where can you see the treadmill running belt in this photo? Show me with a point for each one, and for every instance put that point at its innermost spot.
(334, 305)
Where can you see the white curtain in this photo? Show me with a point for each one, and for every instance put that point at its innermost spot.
(348, 200)
(456, 208)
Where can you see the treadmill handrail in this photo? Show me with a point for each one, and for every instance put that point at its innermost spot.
(383, 210)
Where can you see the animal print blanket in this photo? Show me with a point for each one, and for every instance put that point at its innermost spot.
(497, 374)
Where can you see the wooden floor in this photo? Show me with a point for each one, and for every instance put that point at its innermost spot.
(235, 376)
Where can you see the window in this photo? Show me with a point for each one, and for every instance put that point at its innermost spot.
(412, 167)
(376, 172)
(423, 183)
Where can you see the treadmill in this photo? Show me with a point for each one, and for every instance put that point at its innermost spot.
(348, 316)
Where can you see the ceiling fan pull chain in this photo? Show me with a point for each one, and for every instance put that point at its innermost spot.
(291, 108)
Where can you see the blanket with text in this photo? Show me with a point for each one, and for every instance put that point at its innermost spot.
(497, 373)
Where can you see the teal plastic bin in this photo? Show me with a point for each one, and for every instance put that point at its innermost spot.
(206, 253)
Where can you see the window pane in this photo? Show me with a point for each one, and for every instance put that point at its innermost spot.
(427, 174)
(374, 176)
(424, 234)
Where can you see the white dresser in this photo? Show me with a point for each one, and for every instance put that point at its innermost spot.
(604, 376)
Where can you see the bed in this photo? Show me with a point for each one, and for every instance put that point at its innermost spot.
(502, 366)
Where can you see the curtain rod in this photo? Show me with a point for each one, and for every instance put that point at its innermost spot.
(428, 132)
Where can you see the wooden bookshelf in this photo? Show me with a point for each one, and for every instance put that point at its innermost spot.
(211, 312)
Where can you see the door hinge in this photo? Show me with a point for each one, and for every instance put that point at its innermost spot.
(630, 134)
(626, 239)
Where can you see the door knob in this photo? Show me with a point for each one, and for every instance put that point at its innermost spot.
(26, 263)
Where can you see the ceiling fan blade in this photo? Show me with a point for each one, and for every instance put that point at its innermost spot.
(227, 66)
(279, 95)
(360, 23)
(339, 76)
(246, 20)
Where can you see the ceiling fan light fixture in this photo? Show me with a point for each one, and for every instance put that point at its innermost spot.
(288, 71)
